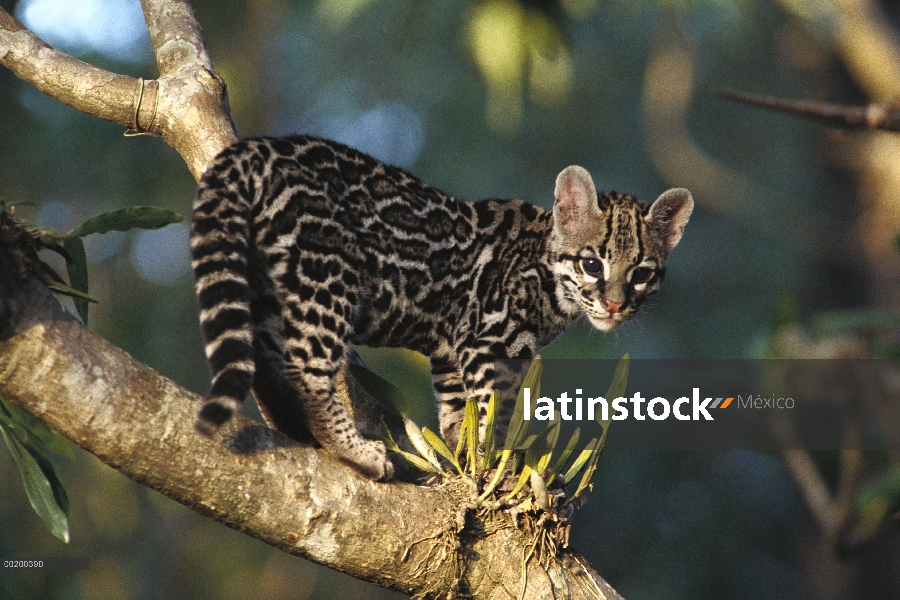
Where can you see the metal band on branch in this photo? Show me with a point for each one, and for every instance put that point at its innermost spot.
(136, 128)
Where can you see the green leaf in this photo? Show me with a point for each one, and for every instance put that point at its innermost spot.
(616, 390)
(44, 490)
(385, 393)
(64, 289)
(564, 457)
(523, 478)
(552, 438)
(591, 454)
(489, 431)
(438, 444)
(591, 467)
(541, 449)
(388, 439)
(78, 273)
(36, 427)
(498, 475)
(619, 381)
(579, 463)
(527, 442)
(518, 428)
(141, 217)
(419, 463)
(463, 434)
(517, 431)
(418, 441)
(472, 435)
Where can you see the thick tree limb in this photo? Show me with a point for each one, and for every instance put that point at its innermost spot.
(414, 539)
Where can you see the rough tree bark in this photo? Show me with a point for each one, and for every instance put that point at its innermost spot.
(420, 540)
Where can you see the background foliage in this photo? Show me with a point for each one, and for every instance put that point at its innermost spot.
(492, 99)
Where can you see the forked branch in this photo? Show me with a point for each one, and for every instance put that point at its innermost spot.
(187, 106)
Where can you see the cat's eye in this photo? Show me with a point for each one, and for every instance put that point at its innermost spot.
(641, 275)
(592, 266)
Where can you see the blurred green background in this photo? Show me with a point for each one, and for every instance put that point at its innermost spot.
(492, 98)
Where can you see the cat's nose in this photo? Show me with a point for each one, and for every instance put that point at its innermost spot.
(610, 306)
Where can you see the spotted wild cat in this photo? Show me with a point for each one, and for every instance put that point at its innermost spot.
(302, 246)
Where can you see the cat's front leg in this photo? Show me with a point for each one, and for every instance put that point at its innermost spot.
(477, 370)
(451, 394)
(477, 377)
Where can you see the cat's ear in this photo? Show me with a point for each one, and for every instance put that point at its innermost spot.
(670, 213)
(575, 210)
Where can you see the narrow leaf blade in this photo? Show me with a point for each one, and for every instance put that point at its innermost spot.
(538, 448)
(581, 461)
(388, 439)
(64, 289)
(523, 478)
(489, 427)
(527, 442)
(43, 488)
(418, 441)
(36, 427)
(518, 427)
(419, 463)
(140, 217)
(438, 444)
(616, 389)
(384, 392)
(588, 472)
(461, 441)
(472, 435)
(498, 475)
(549, 446)
(564, 457)
(78, 273)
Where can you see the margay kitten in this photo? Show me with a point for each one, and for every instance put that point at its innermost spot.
(301, 246)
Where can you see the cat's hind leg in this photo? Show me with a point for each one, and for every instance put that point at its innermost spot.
(314, 353)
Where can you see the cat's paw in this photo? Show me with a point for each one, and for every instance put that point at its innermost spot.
(370, 459)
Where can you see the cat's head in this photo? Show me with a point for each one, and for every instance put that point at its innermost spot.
(609, 252)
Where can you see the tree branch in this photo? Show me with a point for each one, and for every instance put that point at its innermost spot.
(874, 116)
(414, 539)
(193, 113)
(187, 106)
(101, 93)
(175, 35)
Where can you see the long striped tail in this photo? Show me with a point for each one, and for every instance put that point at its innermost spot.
(219, 247)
